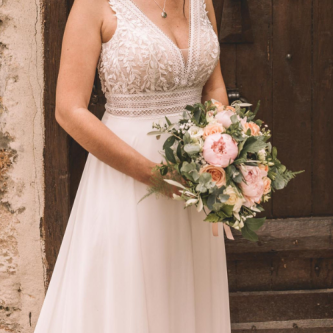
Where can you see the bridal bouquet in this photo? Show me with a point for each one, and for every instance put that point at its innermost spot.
(221, 161)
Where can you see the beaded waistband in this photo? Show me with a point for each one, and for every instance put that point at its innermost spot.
(152, 103)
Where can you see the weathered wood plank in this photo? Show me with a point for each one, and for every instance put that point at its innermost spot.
(295, 234)
(56, 211)
(281, 305)
(308, 326)
(322, 158)
(254, 65)
(292, 102)
(280, 273)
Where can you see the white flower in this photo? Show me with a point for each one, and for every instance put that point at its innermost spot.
(191, 202)
(195, 132)
(234, 199)
(262, 155)
(236, 225)
(210, 117)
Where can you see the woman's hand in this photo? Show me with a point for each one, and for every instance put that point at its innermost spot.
(158, 184)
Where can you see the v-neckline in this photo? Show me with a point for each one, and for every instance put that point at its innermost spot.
(190, 32)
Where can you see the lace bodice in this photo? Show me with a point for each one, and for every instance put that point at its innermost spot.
(143, 72)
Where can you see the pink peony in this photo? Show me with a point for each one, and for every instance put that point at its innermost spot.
(220, 149)
(223, 117)
(254, 187)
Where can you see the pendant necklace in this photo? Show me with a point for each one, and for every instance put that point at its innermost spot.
(164, 14)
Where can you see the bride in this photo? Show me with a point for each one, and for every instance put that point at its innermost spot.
(125, 267)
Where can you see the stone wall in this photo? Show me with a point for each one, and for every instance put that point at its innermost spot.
(21, 164)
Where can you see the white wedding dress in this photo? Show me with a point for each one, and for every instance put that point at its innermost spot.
(152, 267)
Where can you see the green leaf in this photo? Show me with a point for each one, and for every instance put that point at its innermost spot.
(212, 217)
(241, 145)
(188, 167)
(257, 108)
(261, 208)
(164, 170)
(179, 152)
(169, 155)
(192, 148)
(228, 210)
(187, 138)
(205, 177)
(155, 133)
(253, 145)
(197, 114)
(211, 201)
(224, 197)
(217, 207)
(169, 142)
(278, 183)
(189, 107)
(247, 233)
(168, 121)
(234, 119)
(255, 223)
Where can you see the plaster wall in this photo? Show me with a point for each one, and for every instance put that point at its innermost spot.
(21, 164)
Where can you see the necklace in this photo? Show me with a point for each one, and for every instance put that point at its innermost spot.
(164, 14)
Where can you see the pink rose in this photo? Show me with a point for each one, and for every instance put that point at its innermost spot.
(254, 187)
(220, 149)
(212, 129)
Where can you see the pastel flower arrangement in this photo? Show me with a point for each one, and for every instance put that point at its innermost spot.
(221, 161)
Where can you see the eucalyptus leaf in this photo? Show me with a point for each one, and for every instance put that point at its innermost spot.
(211, 201)
(234, 119)
(192, 148)
(224, 197)
(217, 206)
(187, 138)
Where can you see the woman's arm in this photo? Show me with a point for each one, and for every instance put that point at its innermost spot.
(80, 52)
(214, 87)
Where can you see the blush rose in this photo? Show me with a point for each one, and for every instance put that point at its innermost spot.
(212, 129)
(218, 174)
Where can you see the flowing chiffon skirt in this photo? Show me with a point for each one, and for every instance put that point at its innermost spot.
(125, 267)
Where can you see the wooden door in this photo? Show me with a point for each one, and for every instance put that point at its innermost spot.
(285, 59)
(281, 52)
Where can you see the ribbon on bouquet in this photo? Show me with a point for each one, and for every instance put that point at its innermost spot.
(226, 228)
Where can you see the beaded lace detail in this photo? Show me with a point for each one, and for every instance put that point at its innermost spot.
(144, 73)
